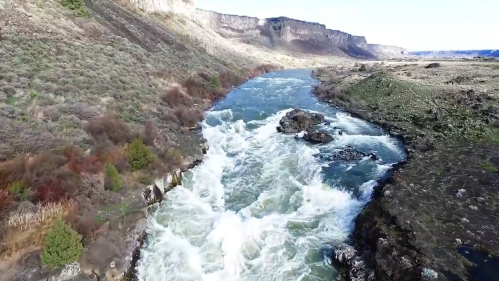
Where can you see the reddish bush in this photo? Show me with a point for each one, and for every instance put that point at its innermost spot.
(109, 127)
(50, 190)
(12, 171)
(113, 155)
(42, 167)
(196, 89)
(188, 118)
(262, 69)
(79, 163)
(174, 97)
(228, 79)
(150, 133)
(204, 75)
(4, 200)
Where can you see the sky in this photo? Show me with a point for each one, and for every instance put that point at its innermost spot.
(415, 25)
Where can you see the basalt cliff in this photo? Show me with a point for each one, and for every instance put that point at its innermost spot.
(278, 33)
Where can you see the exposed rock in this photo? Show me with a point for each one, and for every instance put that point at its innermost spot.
(433, 65)
(290, 34)
(180, 7)
(318, 137)
(429, 274)
(346, 256)
(347, 154)
(112, 256)
(27, 207)
(298, 120)
(385, 51)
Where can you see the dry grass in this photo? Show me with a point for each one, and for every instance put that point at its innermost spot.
(26, 219)
(27, 230)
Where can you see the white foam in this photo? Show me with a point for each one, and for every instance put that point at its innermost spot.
(285, 213)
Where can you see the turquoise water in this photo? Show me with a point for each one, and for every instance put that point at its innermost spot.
(262, 206)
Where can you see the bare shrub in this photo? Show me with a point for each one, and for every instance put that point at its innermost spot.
(4, 200)
(115, 155)
(228, 79)
(108, 127)
(175, 97)
(331, 93)
(196, 88)
(150, 133)
(265, 68)
(204, 75)
(188, 118)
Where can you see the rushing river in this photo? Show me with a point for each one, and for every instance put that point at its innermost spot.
(262, 206)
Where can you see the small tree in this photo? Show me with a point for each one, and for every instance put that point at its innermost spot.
(114, 177)
(63, 245)
(139, 156)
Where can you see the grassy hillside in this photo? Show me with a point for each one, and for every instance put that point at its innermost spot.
(96, 100)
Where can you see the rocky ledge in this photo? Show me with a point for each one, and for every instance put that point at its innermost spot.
(443, 199)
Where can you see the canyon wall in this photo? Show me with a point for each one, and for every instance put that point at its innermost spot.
(280, 33)
(387, 51)
(179, 7)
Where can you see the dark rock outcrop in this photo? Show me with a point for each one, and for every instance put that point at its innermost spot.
(346, 256)
(318, 137)
(433, 65)
(298, 120)
(347, 154)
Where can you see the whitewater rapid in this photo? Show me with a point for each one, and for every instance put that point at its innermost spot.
(262, 206)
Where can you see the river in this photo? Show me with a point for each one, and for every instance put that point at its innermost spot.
(262, 206)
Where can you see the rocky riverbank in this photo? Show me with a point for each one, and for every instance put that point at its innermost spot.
(445, 197)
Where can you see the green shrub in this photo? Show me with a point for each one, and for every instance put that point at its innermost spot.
(19, 190)
(489, 167)
(145, 179)
(113, 176)
(63, 245)
(214, 82)
(138, 155)
(76, 5)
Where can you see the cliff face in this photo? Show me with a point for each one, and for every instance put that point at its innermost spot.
(279, 33)
(386, 51)
(286, 33)
(181, 7)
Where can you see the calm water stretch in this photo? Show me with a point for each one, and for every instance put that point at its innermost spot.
(262, 206)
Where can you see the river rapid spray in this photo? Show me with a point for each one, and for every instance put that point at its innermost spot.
(262, 206)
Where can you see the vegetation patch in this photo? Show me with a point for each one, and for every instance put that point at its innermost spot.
(76, 5)
(19, 190)
(63, 245)
(489, 167)
(113, 178)
(139, 156)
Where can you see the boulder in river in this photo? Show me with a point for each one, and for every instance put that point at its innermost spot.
(298, 120)
(317, 137)
(348, 154)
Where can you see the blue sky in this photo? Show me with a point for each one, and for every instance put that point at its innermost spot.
(415, 25)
